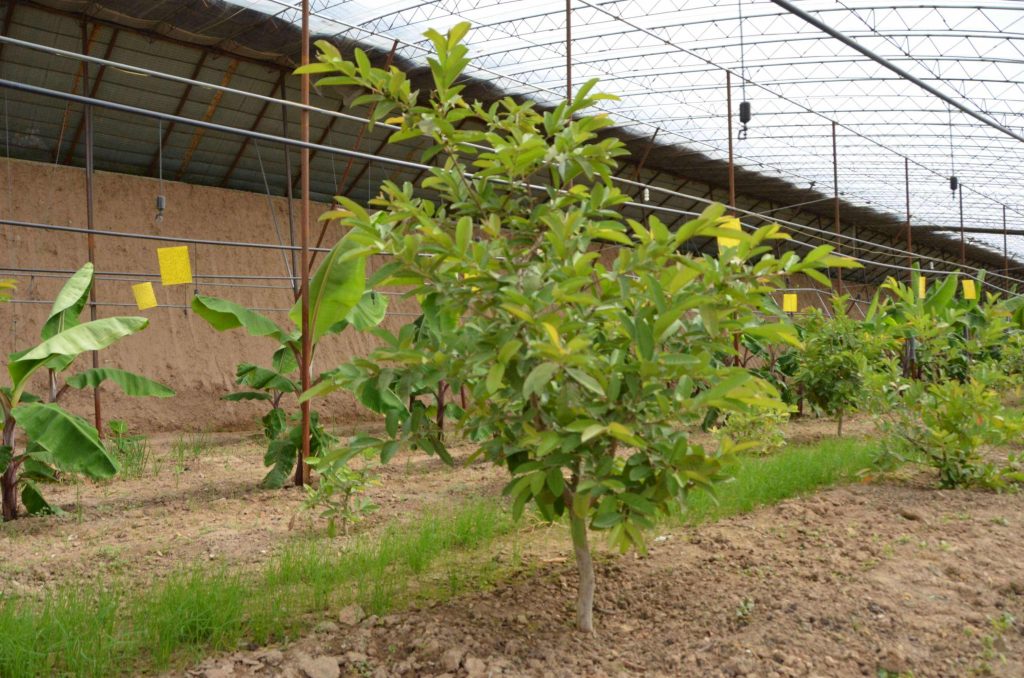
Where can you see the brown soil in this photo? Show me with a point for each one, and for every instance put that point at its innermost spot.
(896, 575)
(210, 509)
(854, 581)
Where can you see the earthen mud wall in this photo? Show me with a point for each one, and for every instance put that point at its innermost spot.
(177, 348)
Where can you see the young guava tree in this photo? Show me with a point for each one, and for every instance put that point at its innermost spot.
(338, 299)
(56, 441)
(580, 370)
(835, 361)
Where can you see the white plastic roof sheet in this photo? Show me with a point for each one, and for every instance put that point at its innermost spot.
(665, 59)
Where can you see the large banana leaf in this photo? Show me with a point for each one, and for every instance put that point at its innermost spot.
(90, 336)
(69, 303)
(227, 315)
(34, 502)
(71, 443)
(369, 312)
(335, 289)
(261, 378)
(132, 384)
(64, 313)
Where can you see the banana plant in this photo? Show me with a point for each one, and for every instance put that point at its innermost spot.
(54, 440)
(338, 299)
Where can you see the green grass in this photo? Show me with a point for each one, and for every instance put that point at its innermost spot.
(102, 630)
(760, 481)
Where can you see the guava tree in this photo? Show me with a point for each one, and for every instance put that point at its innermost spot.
(835, 360)
(54, 440)
(338, 299)
(580, 368)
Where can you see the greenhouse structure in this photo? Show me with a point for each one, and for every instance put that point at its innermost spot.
(480, 338)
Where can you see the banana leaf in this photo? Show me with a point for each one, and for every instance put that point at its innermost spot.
(132, 384)
(70, 442)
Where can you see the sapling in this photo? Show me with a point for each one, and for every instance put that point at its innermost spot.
(338, 299)
(57, 441)
(579, 369)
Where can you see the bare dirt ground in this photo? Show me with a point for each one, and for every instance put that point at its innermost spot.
(888, 579)
(894, 576)
(208, 509)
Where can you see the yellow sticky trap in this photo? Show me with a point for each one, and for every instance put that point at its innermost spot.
(922, 287)
(175, 267)
(725, 243)
(789, 303)
(145, 297)
(970, 291)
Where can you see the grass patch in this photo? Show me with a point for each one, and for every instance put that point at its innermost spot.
(101, 631)
(761, 481)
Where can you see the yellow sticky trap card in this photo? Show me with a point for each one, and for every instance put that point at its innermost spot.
(724, 242)
(145, 297)
(922, 287)
(789, 303)
(970, 291)
(175, 267)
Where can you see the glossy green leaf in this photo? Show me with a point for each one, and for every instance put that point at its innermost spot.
(227, 315)
(71, 442)
(335, 288)
(132, 384)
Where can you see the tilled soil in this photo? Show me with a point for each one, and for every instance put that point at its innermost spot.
(886, 579)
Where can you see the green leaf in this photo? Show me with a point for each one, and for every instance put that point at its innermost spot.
(73, 445)
(586, 381)
(494, 377)
(538, 377)
(90, 336)
(227, 315)
(335, 288)
(68, 304)
(369, 312)
(263, 379)
(246, 395)
(132, 384)
(34, 502)
(281, 455)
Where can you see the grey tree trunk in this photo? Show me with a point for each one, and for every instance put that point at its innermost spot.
(585, 566)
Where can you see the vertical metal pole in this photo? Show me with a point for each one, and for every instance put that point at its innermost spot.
(963, 247)
(568, 51)
(288, 187)
(1006, 255)
(910, 241)
(90, 222)
(732, 166)
(302, 468)
(835, 182)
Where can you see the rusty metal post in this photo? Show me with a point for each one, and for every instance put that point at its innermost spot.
(910, 241)
(90, 222)
(963, 246)
(301, 467)
(835, 181)
(1006, 255)
(568, 51)
(732, 165)
(289, 193)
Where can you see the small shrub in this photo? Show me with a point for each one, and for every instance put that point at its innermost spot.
(758, 431)
(946, 426)
(339, 496)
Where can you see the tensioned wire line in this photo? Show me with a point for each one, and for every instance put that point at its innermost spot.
(277, 139)
(260, 135)
(558, 95)
(338, 114)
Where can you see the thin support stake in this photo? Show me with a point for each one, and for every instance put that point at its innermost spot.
(910, 242)
(732, 164)
(963, 246)
(835, 183)
(301, 467)
(90, 222)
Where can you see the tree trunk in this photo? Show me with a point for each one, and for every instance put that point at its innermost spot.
(9, 480)
(585, 566)
(839, 424)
